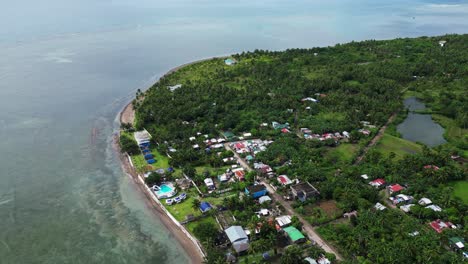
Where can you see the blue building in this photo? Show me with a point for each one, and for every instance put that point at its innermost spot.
(256, 191)
(205, 207)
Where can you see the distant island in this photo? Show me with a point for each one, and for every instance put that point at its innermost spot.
(300, 156)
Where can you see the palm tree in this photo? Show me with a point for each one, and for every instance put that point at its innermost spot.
(195, 204)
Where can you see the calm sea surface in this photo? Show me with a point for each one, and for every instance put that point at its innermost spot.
(67, 67)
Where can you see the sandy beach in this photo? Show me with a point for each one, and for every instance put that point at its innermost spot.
(128, 116)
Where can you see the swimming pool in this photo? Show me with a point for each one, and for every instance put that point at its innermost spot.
(166, 190)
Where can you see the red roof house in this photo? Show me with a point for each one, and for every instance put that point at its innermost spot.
(439, 225)
(395, 188)
(377, 182)
(240, 174)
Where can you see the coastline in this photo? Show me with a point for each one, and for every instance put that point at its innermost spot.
(188, 242)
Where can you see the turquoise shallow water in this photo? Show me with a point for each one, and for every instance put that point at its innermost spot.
(68, 67)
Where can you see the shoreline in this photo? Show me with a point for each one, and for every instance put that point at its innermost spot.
(193, 250)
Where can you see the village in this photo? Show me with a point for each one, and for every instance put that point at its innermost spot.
(250, 206)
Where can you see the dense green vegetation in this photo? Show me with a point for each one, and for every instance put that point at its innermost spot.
(355, 82)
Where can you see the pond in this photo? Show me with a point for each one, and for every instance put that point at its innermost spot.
(420, 127)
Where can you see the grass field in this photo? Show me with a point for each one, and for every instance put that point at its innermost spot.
(209, 219)
(399, 146)
(141, 166)
(181, 210)
(460, 190)
(345, 151)
(453, 133)
(213, 171)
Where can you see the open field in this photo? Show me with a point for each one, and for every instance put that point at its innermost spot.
(345, 151)
(460, 190)
(208, 219)
(322, 212)
(162, 162)
(399, 146)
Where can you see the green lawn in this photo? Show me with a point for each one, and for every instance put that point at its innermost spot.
(345, 151)
(460, 190)
(181, 210)
(453, 133)
(190, 226)
(399, 146)
(141, 166)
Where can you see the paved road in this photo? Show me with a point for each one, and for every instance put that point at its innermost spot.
(306, 226)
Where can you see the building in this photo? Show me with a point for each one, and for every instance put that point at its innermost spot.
(174, 87)
(439, 225)
(379, 207)
(401, 198)
(424, 201)
(209, 183)
(284, 180)
(434, 208)
(304, 190)
(394, 188)
(406, 208)
(142, 137)
(294, 235)
(238, 238)
(377, 183)
(256, 191)
(283, 221)
(457, 243)
(310, 260)
(205, 207)
(240, 174)
(230, 61)
(264, 199)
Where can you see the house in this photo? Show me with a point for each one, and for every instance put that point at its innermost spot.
(256, 191)
(284, 180)
(434, 208)
(230, 61)
(345, 134)
(283, 221)
(310, 260)
(264, 199)
(323, 260)
(379, 207)
(246, 135)
(263, 212)
(424, 201)
(142, 137)
(310, 99)
(350, 214)
(401, 198)
(303, 191)
(239, 173)
(205, 207)
(294, 235)
(223, 178)
(439, 225)
(174, 87)
(394, 188)
(442, 43)
(277, 125)
(183, 183)
(457, 243)
(365, 177)
(377, 183)
(406, 208)
(209, 183)
(238, 238)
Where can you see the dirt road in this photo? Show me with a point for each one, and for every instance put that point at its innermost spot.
(376, 139)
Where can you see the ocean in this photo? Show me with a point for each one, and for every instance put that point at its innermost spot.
(68, 67)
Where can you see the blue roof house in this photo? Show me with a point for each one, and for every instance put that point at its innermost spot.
(256, 191)
(205, 207)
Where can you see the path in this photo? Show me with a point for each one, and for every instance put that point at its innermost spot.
(306, 226)
(376, 139)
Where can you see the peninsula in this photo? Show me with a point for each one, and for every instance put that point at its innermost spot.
(297, 156)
